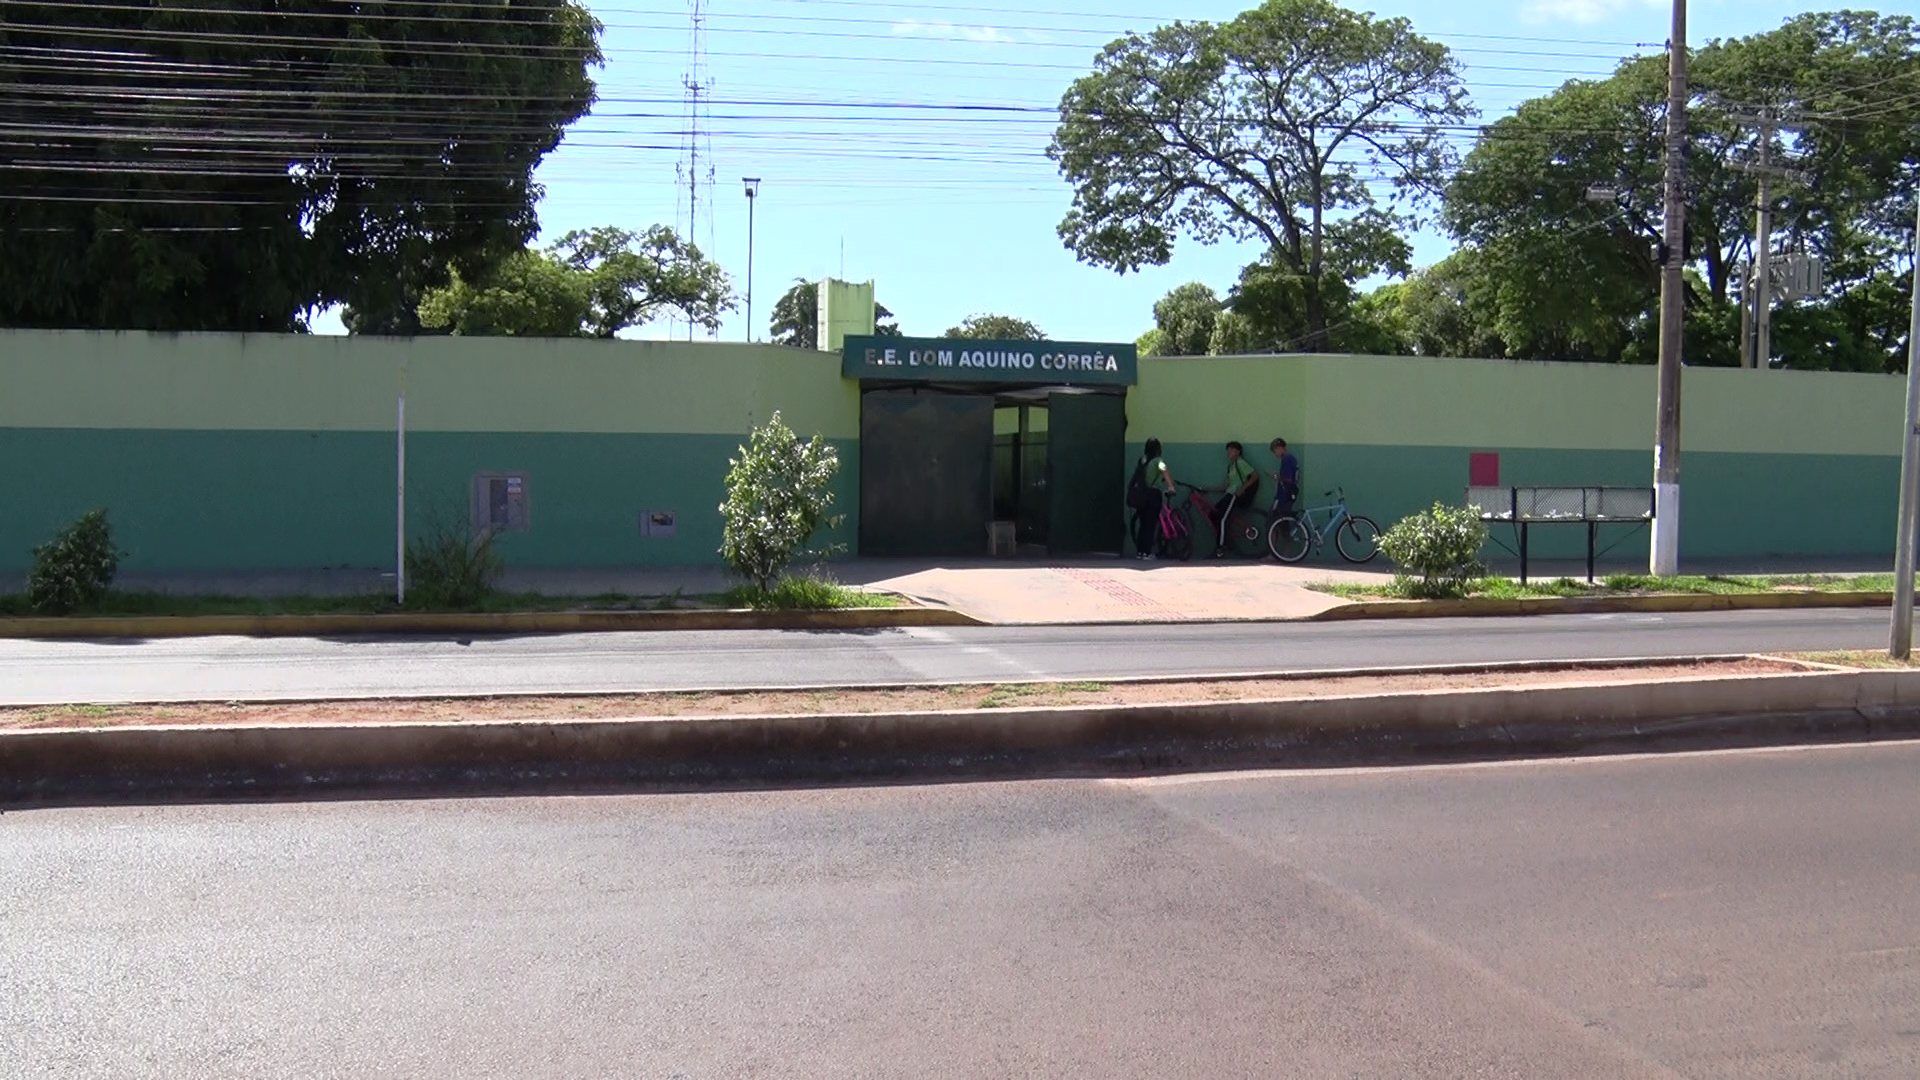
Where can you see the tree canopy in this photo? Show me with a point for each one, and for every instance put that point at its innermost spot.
(210, 168)
(1557, 275)
(1210, 132)
(1300, 125)
(796, 317)
(996, 328)
(1185, 318)
(593, 283)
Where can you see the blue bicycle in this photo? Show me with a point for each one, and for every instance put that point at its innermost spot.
(1357, 538)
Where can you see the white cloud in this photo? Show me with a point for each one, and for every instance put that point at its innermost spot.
(944, 31)
(1582, 12)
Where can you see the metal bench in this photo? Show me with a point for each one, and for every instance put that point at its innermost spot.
(1525, 507)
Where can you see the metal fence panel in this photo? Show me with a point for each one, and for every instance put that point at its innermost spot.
(1561, 504)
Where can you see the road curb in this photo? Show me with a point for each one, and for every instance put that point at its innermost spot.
(65, 767)
(1592, 605)
(503, 623)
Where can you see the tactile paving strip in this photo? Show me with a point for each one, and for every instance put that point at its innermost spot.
(1107, 586)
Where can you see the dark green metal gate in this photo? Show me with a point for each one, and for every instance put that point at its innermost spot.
(1086, 459)
(926, 472)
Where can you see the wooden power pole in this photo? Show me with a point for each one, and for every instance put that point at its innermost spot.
(1665, 556)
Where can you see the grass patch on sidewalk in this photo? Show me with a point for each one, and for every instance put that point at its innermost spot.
(806, 594)
(791, 594)
(1856, 658)
(140, 604)
(1503, 588)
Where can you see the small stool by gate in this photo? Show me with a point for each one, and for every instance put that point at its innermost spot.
(1525, 507)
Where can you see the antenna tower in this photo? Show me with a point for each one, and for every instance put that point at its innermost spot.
(696, 177)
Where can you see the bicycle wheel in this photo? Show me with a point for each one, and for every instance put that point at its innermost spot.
(1244, 536)
(1288, 540)
(1178, 544)
(1358, 539)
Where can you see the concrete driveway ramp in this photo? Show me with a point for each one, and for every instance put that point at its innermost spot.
(1126, 593)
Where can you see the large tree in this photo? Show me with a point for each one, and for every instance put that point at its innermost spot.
(1185, 318)
(593, 283)
(181, 166)
(996, 328)
(796, 317)
(1302, 126)
(1563, 276)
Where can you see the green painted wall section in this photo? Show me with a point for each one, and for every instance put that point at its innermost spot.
(234, 382)
(246, 500)
(1494, 404)
(227, 452)
(1733, 504)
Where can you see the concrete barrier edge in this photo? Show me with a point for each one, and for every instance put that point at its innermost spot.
(85, 765)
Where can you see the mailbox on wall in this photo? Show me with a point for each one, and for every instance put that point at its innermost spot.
(499, 503)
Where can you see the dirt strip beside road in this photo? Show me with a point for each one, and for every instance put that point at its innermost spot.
(843, 702)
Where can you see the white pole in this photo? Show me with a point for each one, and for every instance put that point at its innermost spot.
(400, 506)
(1903, 554)
(1664, 553)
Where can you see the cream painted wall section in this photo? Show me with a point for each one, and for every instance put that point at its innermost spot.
(1215, 398)
(59, 379)
(1419, 401)
(1798, 412)
(1422, 401)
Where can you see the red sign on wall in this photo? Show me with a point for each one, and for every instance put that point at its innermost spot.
(1483, 470)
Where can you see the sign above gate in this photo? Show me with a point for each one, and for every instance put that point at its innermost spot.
(1051, 363)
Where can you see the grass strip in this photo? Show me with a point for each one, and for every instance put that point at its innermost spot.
(1503, 588)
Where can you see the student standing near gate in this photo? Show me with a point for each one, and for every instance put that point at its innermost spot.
(1287, 480)
(1242, 481)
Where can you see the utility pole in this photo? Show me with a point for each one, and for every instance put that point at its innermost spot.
(1746, 318)
(1909, 528)
(1758, 350)
(1763, 254)
(1664, 560)
(400, 501)
(752, 184)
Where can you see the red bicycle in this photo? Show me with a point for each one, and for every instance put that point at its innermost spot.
(1179, 521)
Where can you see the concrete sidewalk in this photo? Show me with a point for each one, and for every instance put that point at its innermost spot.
(1091, 590)
(1034, 591)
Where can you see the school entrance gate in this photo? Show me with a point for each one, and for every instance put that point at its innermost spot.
(956, 435)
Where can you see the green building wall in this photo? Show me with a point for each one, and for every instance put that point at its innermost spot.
(235, 452)
(229, 452)
(1773, 462)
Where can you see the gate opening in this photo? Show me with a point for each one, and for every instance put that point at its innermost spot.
(940, 464)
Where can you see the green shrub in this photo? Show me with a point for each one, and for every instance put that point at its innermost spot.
(1436, 552)
(778, 494)
(447, 568)
(73, 570)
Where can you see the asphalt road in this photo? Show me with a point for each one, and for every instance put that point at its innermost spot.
(220, 669)
(1721, 917)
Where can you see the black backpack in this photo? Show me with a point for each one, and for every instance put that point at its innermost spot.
(1137, 487)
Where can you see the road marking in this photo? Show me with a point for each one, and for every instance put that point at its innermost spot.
(1461, 766)
(948, 641)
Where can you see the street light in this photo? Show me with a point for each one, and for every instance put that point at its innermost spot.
(752, 184)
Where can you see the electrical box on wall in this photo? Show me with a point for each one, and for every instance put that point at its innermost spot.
(499, 503)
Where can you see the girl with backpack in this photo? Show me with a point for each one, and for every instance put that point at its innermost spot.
(1150, 486)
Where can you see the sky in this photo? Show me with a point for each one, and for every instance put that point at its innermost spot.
(853, 115)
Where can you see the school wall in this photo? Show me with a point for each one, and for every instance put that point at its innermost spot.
(258, 452)
(1772, 463)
